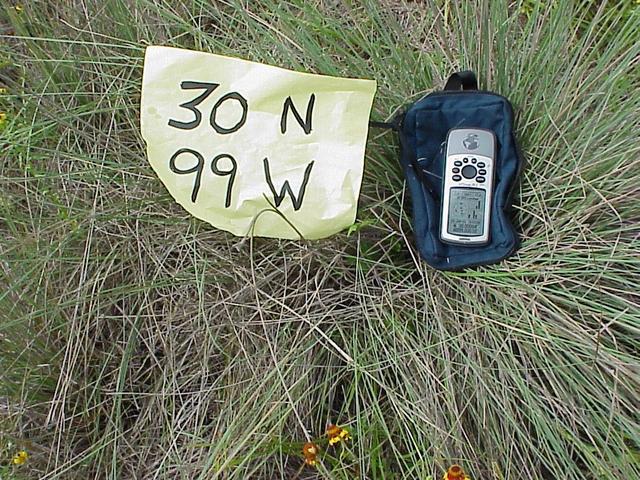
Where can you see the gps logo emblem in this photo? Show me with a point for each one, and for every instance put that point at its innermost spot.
(471, 141)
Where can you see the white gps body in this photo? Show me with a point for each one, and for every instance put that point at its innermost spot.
(468, 186)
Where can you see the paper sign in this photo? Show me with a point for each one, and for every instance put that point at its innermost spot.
(255, 149)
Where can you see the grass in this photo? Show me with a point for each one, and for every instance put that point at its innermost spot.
(138, 342)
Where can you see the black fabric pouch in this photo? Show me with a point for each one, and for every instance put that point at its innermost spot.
(423, 131)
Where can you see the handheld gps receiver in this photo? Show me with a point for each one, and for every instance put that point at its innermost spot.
(468, 186)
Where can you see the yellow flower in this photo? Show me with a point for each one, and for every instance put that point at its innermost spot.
(337, 434)
(310, 451)
(18, 8)
(20, 457)
(3, 90)
(3, 118)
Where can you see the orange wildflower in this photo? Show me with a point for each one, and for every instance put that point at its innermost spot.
(455, 472)
(310, 451)
(337, 434)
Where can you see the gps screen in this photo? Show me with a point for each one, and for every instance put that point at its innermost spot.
(466, 211)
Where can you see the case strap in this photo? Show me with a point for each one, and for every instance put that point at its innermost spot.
(390, 125)
(396, 125)
(393, 124)
(465, 80)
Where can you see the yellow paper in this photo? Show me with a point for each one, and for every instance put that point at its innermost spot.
(214, 132)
